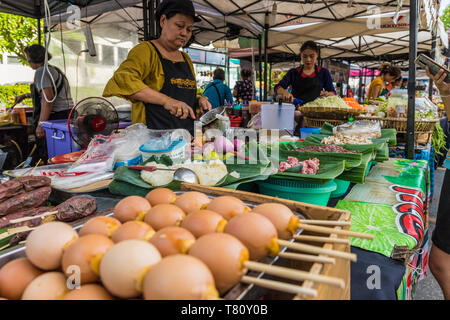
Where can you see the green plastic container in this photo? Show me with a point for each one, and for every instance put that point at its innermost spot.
(341, 188)
(312, 193)
(246, 186)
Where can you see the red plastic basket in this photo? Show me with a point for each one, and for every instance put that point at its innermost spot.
(235, 121)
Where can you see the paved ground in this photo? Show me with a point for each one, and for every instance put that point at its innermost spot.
(428, 289)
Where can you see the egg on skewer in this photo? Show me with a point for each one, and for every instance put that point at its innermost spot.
(86, 253)
(124, 266)
(202, 222)
(228, 206)
(164, 215)
(15, 276)
(131, 208)
(137, 230)
(88, 292)
(172, 240)
(105, 226)
(47, 286)
(161, 196)
(179, 277)
(192, 201)
(45, 244)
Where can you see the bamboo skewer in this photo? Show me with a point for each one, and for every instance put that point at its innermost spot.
(13, 231)
(306, 257)
(326, 222)
(280, 286)
(42, 215)
(321, 239)
(336, 231)
(294, 274)
(317, 250)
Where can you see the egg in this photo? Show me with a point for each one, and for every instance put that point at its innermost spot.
(86, 253)
(105, 226)
(46, 243)
(15, 276)
(282, 218)
(47, 286)
(172, 240)
(164, 215)
(88, 292)
(131, 208)
(133, 230)
(179, 277)
(192, 201)
(228, 206)
(161, 196)
(124, 266)
(256, 232)
(202, 222)
(224, 255)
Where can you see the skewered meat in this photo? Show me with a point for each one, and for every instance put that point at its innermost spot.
(32, 199)
(75, 208)
(4, 221)
(10, 189)
(31, 182)
(327, 148)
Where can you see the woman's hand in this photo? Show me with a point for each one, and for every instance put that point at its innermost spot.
(285, 95)
(40, 132)
(439, 81)
(326, 93)
(179, 109)
(204, 104)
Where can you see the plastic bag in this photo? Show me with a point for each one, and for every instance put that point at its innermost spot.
(425, 109)
(255, 122)
(360, 128)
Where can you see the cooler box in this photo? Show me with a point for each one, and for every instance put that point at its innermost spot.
(58, 137)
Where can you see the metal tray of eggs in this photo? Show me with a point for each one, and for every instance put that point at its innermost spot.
(240, 291)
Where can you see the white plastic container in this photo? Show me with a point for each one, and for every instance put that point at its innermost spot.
(275, 117)
(128, 159)
(176, 151)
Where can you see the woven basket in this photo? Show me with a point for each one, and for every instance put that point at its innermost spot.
(330, 113)
(400, 124)
(318, 123)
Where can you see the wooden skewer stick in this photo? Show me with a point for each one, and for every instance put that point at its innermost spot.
(306, 257)
(294, 274)
(280, 286)
(317, 250)
(13, 231)
(45, 214)
(326, 222)
(321, 239)
(336, 231)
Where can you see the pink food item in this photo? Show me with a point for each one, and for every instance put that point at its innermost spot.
(310, 166)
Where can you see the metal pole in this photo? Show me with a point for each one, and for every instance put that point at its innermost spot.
(410, 141)
(270, 79)
(360, 87)
(433, 56)
(145, 16)
(266, 37)
(260, 68)
(39, 31)
(153, 24)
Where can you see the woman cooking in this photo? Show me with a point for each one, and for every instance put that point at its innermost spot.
(159, 78)
(309, 81)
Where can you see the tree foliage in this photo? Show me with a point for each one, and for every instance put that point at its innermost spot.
(446, 18)
(16, 33)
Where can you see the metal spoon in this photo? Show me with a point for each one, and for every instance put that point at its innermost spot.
(181, 174)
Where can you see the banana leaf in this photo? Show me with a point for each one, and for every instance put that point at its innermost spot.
(358, 174)
(327, 171)
(351, 159)
(5, 241)
(128, 182)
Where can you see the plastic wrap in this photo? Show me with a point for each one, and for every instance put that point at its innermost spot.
(360, 128)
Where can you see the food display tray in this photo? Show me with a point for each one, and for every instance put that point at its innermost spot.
(241, 291)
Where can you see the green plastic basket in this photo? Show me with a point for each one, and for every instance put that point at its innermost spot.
(312, 193)
(341, 188)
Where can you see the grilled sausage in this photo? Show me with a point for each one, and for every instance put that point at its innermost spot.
(31, 182)
(4, 221)
(75, 208)
(32, 199)
(10, 189)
